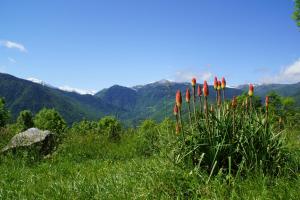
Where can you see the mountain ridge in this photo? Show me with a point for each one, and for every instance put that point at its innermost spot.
(130, 104)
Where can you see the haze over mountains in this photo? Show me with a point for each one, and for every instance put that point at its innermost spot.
(154, 100)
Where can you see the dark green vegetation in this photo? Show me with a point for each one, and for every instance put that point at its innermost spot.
(131, 105)
(296, 14)
(105, 160)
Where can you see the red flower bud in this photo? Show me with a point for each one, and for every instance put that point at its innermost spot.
(223, 83)
(175, 110)
(205, 89)
(194, 82)
(267, 102)
(251, 90)
(199, 91)
(178, 99)
(216, 83)
(219, 85)
(187, 95)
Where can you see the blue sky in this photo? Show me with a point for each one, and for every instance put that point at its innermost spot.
(94, 44)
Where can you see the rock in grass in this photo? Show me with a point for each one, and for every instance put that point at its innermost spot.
(32, 137)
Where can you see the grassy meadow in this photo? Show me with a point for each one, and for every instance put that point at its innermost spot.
(227, 150)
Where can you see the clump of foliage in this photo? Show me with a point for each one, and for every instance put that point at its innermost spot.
(296, 14)
(50, 119)
(149, 138)
(25, 120)
(110, 127)
(231, 138)
(4, 114)
(84, 127)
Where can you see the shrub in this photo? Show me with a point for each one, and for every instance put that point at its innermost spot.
(4, 114)
(111, 127)
(50, 119)
(25, 120)
(84, 127)
(149, 138)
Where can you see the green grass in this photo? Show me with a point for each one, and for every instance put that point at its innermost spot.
(88, 166)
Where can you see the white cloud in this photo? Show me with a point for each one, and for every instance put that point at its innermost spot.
(289, 74)
(79, 91)
(13, 45)
(186, 75)
(11, 60)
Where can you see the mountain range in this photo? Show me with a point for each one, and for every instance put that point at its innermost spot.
(130, 104)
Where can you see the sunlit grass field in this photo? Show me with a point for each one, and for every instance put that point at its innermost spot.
(88, 166)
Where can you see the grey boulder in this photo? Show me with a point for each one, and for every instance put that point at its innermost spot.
(30, 137)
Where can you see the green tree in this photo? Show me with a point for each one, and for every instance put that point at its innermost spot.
(296, 14)
(283, 109)
(25, 120)
(4, 114)
(84, 127)
(111, 127)
(50, 119)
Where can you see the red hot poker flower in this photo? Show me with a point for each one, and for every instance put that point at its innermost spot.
(194, 82)
(175, 110)
(216, 83)
(199, 91)
(251, 90)
(219, 85)
(223, 83)
(267, 102)
(178, 99)
(205, 89)
(187, 95)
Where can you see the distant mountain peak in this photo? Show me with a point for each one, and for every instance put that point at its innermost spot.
(163, 81)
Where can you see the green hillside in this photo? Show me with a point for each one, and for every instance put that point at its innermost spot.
(131, 105)
(21, 94)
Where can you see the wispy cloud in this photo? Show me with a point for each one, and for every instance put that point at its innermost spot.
(79, 91)
(289, 74)
(13, 45)
(187, 74)
(11, 60)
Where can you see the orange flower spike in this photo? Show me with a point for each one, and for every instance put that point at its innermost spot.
(187, 95)
(219, 85)
(199, 91)
(175, 110)
(267, 102)
(194, 82)
(223, 85)
(178, 99)
(251, 90)
(216, 83)
(205, 89)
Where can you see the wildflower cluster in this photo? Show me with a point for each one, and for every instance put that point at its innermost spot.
(226, 136)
